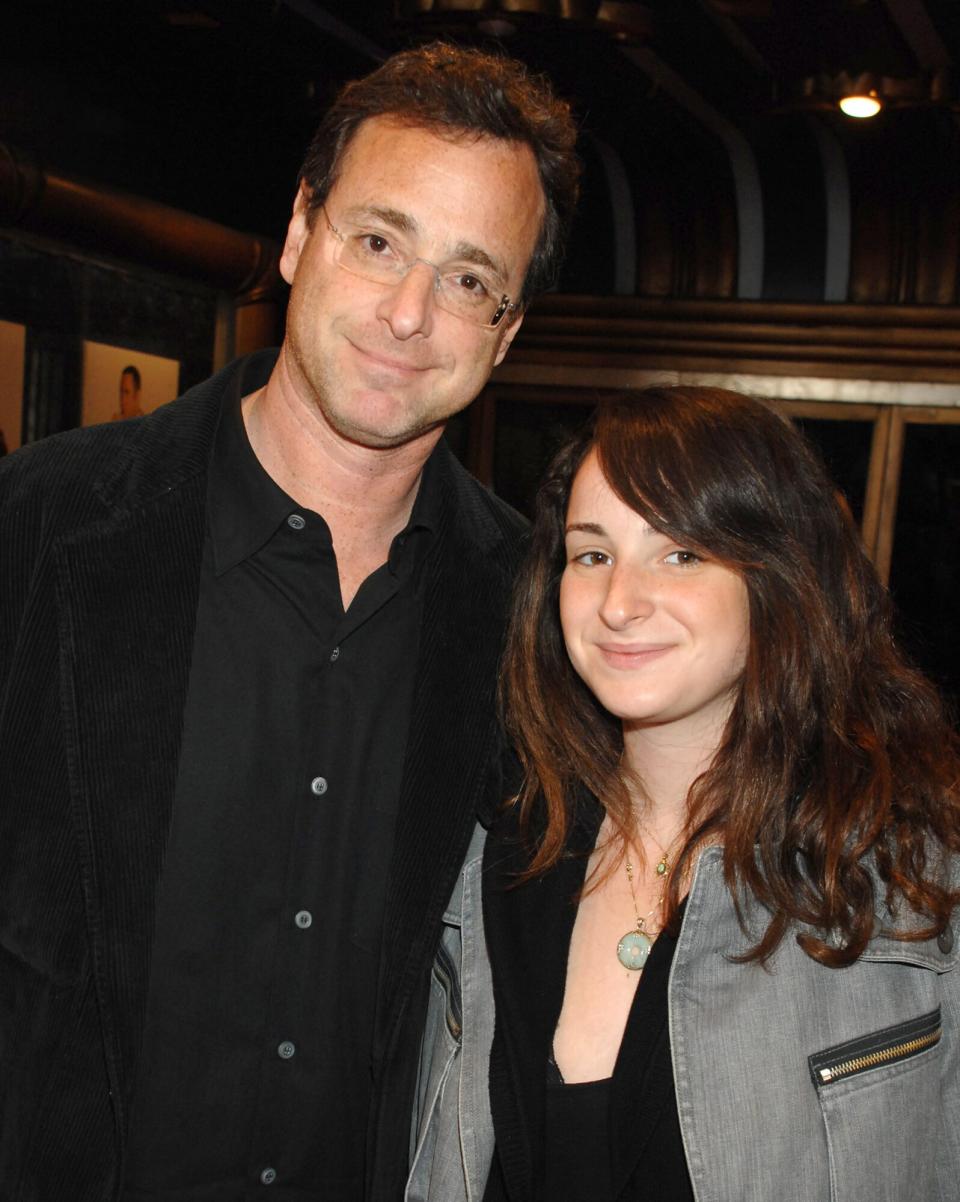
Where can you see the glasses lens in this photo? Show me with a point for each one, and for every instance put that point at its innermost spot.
(466, 295)
(370, 258)
(462, 293)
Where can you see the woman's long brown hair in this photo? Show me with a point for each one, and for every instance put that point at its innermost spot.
(837, 755)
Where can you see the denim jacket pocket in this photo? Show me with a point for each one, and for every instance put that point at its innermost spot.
(889, 1046)
(446, 979)
(880, 1100)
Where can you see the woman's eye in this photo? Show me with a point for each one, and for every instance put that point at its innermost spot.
(592, 559)
(683, 559)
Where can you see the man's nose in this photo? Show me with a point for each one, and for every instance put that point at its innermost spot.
(408, 306)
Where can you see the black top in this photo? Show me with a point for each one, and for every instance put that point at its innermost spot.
(578, 1136)
(256, 1060)
(577, 1139)
(619, 1141)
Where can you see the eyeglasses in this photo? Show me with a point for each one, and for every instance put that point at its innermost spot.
(469, 293)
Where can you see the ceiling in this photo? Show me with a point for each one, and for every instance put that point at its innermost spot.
(207, 105)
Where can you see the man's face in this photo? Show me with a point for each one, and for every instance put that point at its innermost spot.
(129, 395)
(382, 362)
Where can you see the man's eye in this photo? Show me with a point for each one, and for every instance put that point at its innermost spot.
(374, 244)
(471, 283)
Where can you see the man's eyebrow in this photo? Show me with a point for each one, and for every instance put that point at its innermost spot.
(466, 252)
(400, 221)
(469, 253)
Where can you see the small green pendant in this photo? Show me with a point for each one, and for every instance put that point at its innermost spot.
(633, 949)
(662, 867)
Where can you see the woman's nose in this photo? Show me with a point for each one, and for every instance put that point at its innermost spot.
(629, 597)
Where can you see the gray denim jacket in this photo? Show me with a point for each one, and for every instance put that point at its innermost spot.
(452, 1132)
(795, 1082)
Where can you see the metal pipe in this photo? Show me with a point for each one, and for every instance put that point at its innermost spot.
(98, 218)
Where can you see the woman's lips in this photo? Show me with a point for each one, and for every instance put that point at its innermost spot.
(631, 656)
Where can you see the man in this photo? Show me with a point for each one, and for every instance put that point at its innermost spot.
(248, 653)
(129, 394)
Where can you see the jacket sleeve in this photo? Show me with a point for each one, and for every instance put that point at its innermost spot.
(451, 1130)
(948, 1159)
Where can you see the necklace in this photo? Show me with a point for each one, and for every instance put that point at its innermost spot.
(662, 866)
(634, 946)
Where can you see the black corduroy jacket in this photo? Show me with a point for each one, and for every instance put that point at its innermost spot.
(101, 535)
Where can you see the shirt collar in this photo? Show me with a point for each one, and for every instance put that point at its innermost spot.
(411, 544)
(245, 505)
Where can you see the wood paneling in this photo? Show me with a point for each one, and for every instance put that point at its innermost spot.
(883, 342)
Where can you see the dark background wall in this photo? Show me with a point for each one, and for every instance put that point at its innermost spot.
(733, 222)
(708, 125)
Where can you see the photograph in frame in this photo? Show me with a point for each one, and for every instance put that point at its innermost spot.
(13, 340)
(120, 383)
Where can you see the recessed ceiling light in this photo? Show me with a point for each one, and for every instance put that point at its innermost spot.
(867, 105)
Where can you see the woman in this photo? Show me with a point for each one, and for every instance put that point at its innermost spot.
(718, 912)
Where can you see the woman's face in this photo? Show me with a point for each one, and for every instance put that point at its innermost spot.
(657, 633)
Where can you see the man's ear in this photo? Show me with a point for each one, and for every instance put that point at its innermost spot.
(508, 337)
(297, 233)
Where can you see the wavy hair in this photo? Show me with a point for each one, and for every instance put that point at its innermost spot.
(837, 765)
(464, 91)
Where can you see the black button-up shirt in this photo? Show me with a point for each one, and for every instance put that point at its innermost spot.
(255, 1069)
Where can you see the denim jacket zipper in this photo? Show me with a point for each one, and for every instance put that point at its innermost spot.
(871, 1051)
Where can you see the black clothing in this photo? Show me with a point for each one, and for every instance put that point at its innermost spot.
(275, 876)
(103, 533)
(632, 1150)
(578, 1119)
(577, 1167)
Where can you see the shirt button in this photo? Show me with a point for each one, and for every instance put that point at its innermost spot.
(945, 939)
(334, 655)
(268, 1176)
(303, 919)
(296, 522)
(286, 1050)
(318, 785)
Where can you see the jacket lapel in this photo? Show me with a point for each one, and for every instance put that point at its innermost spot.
(528, 930)
(127, 588)
(642, 1085)
(451, 767)
(451, 761)
(127, 596)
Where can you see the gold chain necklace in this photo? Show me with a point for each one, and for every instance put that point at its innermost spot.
(662, 866)
(634, 946)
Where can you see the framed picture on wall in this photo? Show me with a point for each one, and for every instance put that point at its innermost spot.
(119, 383)
(13, 338)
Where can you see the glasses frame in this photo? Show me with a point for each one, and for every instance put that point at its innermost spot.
(504, 306)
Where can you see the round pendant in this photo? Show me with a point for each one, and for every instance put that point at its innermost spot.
(633, 949)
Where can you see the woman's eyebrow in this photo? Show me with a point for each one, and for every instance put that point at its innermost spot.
(598, 530)
(585, 528)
